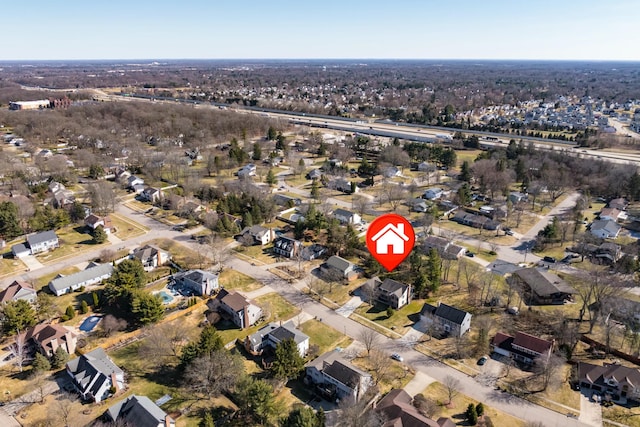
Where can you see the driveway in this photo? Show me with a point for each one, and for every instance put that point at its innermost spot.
(590, 412)
(31, 262)
(418, 383)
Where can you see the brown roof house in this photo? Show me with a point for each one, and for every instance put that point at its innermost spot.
(335, 378)
(151, 256)
(446, 249)
(522, 348)
(541, 287)
(94, 221)
(47, 338)
(239, 309)
(18, 290)
(621, 382)
(398, 411)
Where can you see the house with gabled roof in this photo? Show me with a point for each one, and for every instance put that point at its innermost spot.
(286, 247)
(151, 256)
(260, 235)
(242, 312)
(447, 319)
(93, 221)
(398, 410)
(611, 214)
(338, 267)
(138, 411)
(335, 378)
(48, 338)
(271, 335)
(522, 347)
(200, 282)
(346, 217)
(391, 292)
(446, 248)
(18, 290)
(619, 381)
(42, 242)
(151, 194)
(539, 286)
(619, 203)
(94, 374)
(605, 229)
(93, 274)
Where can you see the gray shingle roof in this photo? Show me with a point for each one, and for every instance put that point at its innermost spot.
(543, 283)
(446, 312)
(338, 263)
(138, 411)
(42, 237)
(88, 366)
(91, 272)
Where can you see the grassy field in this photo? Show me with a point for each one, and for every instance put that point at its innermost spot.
(456, 408)
(181, 254)
(232, 279)
(401, 320)
(325, 337)
(259, 254)
(127, 229)
(10, 265)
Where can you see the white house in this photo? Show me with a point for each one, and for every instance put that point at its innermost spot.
(151, 194)
(433, 193)
(261, 235)
(133, 180)
(139, 411)
(391, 235)
(273, 334)
(247, 170)
(20, 250)
(42, 242)
(150, 256)
(18, 291)
(199, 281)
(346, 217)
(448, 319)
(336, 378)
(93, 374)
(94, 273)
(337, 267)
(605, 229)
(94, 221)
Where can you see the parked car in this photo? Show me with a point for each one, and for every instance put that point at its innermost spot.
(549, 259)
(508, 232)
(482, 360)
(470, 254)
(396, 356)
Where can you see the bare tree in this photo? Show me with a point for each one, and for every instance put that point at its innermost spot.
(111, 324)
(426, 405)
(213, 373)
(20, 350)
(369, 339)
(453, 386)
(380, 366)
(164, 342)
(64, 407)
(103, 198)
(218, 250)
(360, 204)
(358, 414)
(547, 366)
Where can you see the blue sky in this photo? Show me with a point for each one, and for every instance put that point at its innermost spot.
(417, 29)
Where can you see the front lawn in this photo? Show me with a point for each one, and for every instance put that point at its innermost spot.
(400, 321)
(324, 336)
(73, 239)
(126, 228)
(232, 279)
(257, 254)
(10, 265)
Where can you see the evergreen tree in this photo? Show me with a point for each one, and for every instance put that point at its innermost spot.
(272, 134)
(472, 416)
(70, 312)
(434, 269)
(146, 308)
(465, 172)
(315, 190)
(271, 178)
(17, 316)
(99, 235)
(96, 300)
(257, 152)
(60, 358)
(287, 363)
(480, 409)
(247, 220)
(255, 399)
(301, 417)
(9, 222)
(76, 212)
(207, 421)
(209, 341)
(84, 307)
(464, 195)
(40, 364)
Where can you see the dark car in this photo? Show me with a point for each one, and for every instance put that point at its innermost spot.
(470, 254)
(549, 259)
(482, 360)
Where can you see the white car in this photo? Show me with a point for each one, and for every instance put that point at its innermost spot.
(396, 356)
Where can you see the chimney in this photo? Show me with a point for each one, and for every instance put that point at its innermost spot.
(167, 421)
(159, 256)
(245, 312)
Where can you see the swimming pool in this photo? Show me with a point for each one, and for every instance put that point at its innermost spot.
(166, 298)
(89, 323)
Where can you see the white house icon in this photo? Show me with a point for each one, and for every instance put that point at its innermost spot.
(390, 235)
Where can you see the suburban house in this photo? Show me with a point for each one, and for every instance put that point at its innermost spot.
(605, 229)
(342, 185)
(541, 287)
(62, 197)
(150, 256)
(447, 319)
(391, 292)
(610, 214)
(47, 338)
(260, 235)
(199, 281)
(94, 374)
(477, 221)
(446, 249)
(18, 290)
(433, 193)
(133, 180)
(94, 221)
(94, 273)
(138, 411)
(523, 348)
(337, 267)
(314, 174)
(397, 409)
(20, 250)
(617, 380)
(336, 378)
(272, 334)
(419, 205)
(247, 170)
(391, 172)
(42, 242)
(391, 236)
(239, 309)
(312, 252)
(284, 200)
(286, 247)
(620, 204)
(346, 217)
(517, 197)
(151, 194)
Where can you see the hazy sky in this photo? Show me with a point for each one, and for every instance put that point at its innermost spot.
(420, 29)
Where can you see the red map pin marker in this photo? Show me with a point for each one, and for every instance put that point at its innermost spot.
(390, 239)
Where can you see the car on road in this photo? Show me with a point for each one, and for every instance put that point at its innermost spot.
(482, 360)
(470, 254)
(508, 232)
(549, 259)
(396, 356)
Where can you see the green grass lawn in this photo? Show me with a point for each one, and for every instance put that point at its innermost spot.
(325, 337)
(127, 229)
(181, 254)
(297, 180)
(10, 265)
(400, 321)
(232, 279)
(43, 281)
(258, 254)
